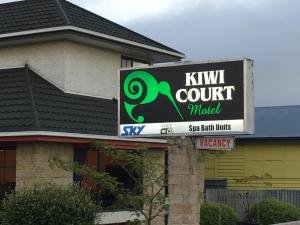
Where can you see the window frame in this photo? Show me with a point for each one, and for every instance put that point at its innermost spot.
(6, 185)
(132, 60)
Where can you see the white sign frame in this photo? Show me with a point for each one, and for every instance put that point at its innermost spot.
(246, 125)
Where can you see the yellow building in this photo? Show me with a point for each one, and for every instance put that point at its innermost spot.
(269, 159)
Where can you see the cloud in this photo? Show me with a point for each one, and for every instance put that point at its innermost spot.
(128, 11)
(131, 10)
(267, 32)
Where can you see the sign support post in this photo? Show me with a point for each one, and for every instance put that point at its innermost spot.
(186, 182)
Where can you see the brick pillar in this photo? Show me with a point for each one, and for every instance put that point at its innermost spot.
(186, 182)
(32, 164)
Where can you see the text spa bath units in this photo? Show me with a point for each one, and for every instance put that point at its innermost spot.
(187, 99)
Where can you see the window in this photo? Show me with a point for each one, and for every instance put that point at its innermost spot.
(215, 184)
(127, 62)
(103, 163)
(79, 157)
(7, 170)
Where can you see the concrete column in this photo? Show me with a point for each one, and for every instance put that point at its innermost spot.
(186, 182)
(32, 164)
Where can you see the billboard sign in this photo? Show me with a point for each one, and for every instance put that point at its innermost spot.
(187, 99)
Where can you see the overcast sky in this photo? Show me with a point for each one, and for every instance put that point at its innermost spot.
(267, 31)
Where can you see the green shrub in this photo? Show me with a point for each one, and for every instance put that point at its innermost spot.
(209, 214)
(273, 211)
(48, 205)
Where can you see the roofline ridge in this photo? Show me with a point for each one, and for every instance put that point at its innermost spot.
(10, 3)
(110, 21)
(277, 106)
(12, 67)
(62, 11)
(32, 100)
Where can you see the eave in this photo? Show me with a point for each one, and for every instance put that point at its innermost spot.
(91, 38)
(72, 138)
(268, 140)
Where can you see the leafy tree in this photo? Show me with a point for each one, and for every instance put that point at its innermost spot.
(244, 196)
(143, 166)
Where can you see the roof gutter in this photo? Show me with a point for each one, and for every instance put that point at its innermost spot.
(80, 136)
(93, 33)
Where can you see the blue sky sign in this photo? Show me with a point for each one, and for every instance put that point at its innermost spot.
(187, 99)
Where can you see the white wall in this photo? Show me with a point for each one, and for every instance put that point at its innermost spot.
(75, 68)
(117, 217)
(91, 71)
(47, 58)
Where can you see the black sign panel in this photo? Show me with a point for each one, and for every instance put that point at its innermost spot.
(187, 99)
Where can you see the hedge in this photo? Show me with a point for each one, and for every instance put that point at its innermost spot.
(272, 211)
(48, 205)
(210, 212)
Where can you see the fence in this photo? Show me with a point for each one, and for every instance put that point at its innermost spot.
(241, 200)
(289, 223)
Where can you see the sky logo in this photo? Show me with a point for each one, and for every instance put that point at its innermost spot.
(132, 130)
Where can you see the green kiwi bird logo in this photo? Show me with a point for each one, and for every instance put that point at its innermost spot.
(134, 90)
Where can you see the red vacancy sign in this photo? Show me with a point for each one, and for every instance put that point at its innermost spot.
(215, 143)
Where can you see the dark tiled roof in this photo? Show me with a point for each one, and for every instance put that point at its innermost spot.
(15, 105)
(30, 15)
(30, 103)
(36, 14)
(276, 122)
